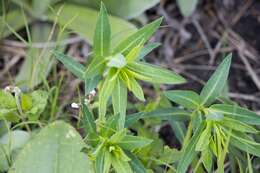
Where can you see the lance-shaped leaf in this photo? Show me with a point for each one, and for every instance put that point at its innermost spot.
(216, 83)
(121, 166)
(189, 152)
(245, 144)
(133, 142)
(147, 49)
(96, 67)
(237, 125)
(187, 99)
(164, 114)
(102, 37)
(88, 119)
(237, 113)
(76, 68)
(119, 100)
(153, 74)
(135, 163)
(105, 92)
(136, 89)
(142, 35)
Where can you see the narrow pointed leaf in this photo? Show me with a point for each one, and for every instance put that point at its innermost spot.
(105, 93)
(88, 119)
(216, 83)
(76, 68)
(187, 99)
(119, 101)
(189, 151)
(102, 37)
(95, 68)
(142, 35)
(164, 114)
(121, 166)
(134, 53)
(237, 113)
(154, 74)
(136, 89)
(135, 163)
(133, 142)
(147, 49)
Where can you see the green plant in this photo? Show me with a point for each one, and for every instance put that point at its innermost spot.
(119, 67)
(218, 129)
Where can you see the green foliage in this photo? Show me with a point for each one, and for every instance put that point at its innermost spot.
(187, 7)
(57, 148)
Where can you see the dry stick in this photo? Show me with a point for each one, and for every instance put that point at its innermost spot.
(250, 70)
(244, 97)
(204, 37)
(10, 64)
(17, 44)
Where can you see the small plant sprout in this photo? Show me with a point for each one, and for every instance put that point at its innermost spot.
(117, 68)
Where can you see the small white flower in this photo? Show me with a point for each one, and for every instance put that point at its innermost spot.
(93, 92)
(75, 105)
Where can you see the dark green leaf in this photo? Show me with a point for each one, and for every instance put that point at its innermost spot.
(88, 119)
(76, 68)
(135, 163)
(189, 151)
(147, 49)
(164, 114)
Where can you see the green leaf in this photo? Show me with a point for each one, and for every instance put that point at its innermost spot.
(204, 139)
(246, 146)
(76, 68)
(153, 74)
(237, 113)
(187, 99)
(121, 166)
(147, 49)
(55, 149)
(99, 162)
(88, 119)
(74, 18)
(237, 125)
(136, 89)
(7, 100)
(178, 128)
(214, 116)
(207, 160)
(102, 37)
(187, 7)
(133, 54)
(118, 136)
(133, 142)
(216, 83)
(91, 84)
(39, 102)
(189, 152)
(105, 92)
(135, 163)
(124, 9)
(95, 68)
(164, 114)
(142, 35)
(119, 101)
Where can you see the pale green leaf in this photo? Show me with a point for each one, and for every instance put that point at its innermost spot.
(121, 166)
(136, 89)
(216, 83)
(117, 61)
(55, 149)
(82, 20)
(237, 113)
(119, 101)
(147, 49)
(187, 99)
(142, 35)
(102, 37)
(124, 9)
(133, 142)
(153, 74)
(187, 7)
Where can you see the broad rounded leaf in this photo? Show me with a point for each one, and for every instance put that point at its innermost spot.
(56, 149)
